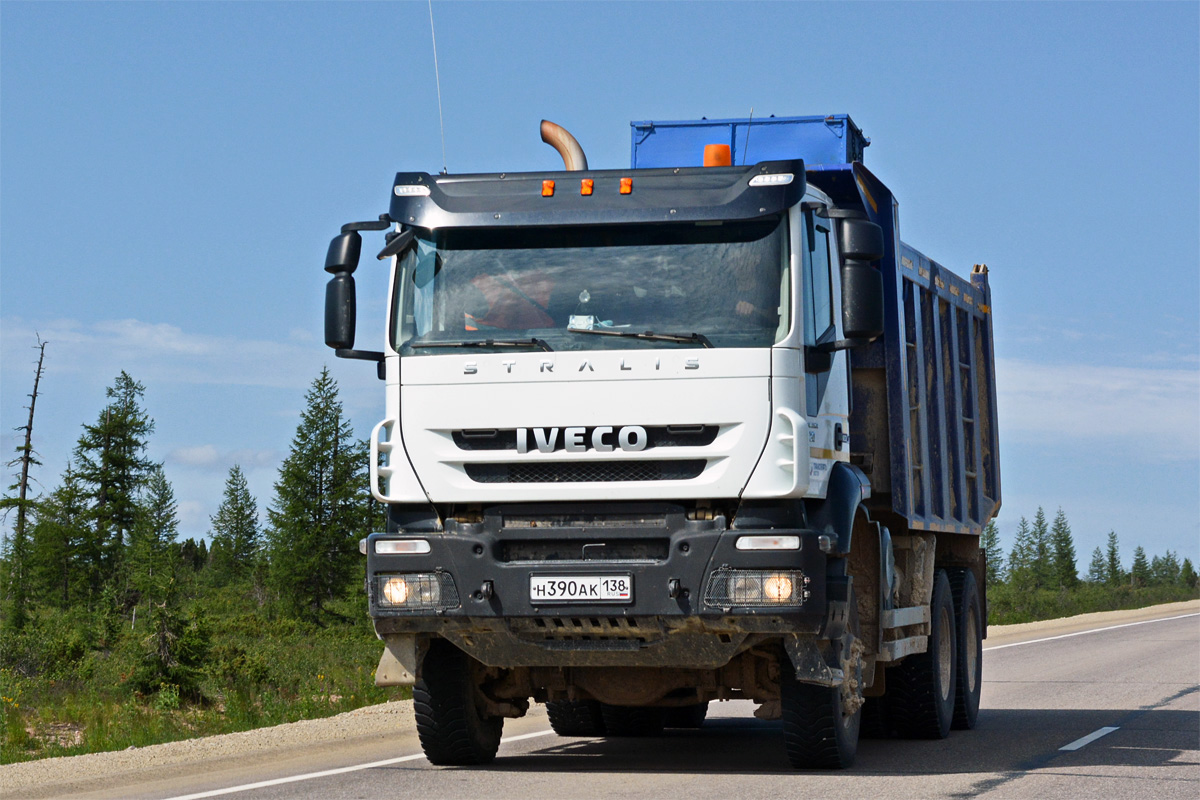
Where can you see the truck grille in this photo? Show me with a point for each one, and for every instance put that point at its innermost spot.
(657, 436)
(656, 549)
(586, 471)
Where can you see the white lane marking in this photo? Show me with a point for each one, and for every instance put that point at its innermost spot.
(326, 773)
(1093, 630)
(1091, 737)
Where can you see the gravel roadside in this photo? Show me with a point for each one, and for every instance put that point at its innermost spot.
(16, 780)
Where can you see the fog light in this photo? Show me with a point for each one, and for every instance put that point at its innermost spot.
(395, 591)
(417, 590)
(778, 588)
(755, 588)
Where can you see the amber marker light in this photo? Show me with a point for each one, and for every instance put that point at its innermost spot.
(586, 186)
(547, 188)
(626, 185)
(717, 155)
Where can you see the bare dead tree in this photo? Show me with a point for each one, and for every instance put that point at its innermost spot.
(26, 458)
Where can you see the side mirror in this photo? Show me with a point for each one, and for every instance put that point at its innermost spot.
(343, 253)
(862, 284)
(340, 312)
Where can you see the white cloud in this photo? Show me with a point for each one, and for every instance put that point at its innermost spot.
(203, 456)
(1155, 413)
(207, 456)
(159, 352)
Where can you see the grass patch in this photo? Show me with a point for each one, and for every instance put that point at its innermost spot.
(68, 699)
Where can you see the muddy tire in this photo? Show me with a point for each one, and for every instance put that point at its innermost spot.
(632, 721)
(451, 729)
(816, 731)
(687, 716)
(922, 688)
(968, 615)
(874, 718)
(575, 717)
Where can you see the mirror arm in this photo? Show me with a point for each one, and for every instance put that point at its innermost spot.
(382, 224)
(360, 355)
(842, 344)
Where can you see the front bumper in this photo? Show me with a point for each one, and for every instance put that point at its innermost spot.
(669, 620)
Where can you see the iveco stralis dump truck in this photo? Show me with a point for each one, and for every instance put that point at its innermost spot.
(696, 430)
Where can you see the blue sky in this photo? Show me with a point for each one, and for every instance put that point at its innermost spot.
(171, 174)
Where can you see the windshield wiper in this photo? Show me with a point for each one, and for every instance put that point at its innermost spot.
(539, 343)
(698, 338)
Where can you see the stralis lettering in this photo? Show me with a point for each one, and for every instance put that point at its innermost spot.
(547, 366)
(602, 439)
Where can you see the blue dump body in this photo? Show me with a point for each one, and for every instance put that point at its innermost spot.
(923, 421)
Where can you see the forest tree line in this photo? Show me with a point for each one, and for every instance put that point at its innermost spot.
(103, 545)
(114, 629)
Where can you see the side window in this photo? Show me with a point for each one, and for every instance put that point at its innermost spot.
(818, 289)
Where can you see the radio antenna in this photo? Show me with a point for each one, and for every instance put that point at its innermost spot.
(746, 147)
(438, 78)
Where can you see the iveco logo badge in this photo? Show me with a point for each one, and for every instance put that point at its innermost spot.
(602, 439)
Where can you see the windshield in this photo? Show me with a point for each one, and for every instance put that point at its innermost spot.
(699, 284)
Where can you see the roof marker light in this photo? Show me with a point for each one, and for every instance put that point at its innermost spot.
(547, 188)
(778, 179)
(586, 186)
(717, 155)
(626, 185)
(414, 190)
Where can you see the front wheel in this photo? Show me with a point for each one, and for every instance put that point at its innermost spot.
(450, 726)
(817, 732)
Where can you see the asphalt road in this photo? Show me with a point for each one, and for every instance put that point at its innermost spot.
(1066, 713)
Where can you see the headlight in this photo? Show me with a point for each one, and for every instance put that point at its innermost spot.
(756, 588)
(416, 590)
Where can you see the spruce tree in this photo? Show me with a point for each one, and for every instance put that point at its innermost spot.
(993, 553)
(112, 464)
(1187, 574)
(1042, 568)
(321, 508)
(58, 574)
(1113, 574)
(1066, 573)
(1140, 571)
(1020, 560)
(1097, 569)
(235, 535)
(157, 526)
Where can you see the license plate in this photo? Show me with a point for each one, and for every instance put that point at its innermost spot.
(580, 588)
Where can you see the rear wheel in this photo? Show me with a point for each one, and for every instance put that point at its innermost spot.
(687, 716)
(921, 689)
(968, 615)
(450, 726)
(632, 721)
(575, 717)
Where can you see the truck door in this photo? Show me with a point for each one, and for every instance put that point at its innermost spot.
(826, 393)
(818, 302)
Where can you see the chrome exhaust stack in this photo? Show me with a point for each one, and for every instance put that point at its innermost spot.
(561, 140)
